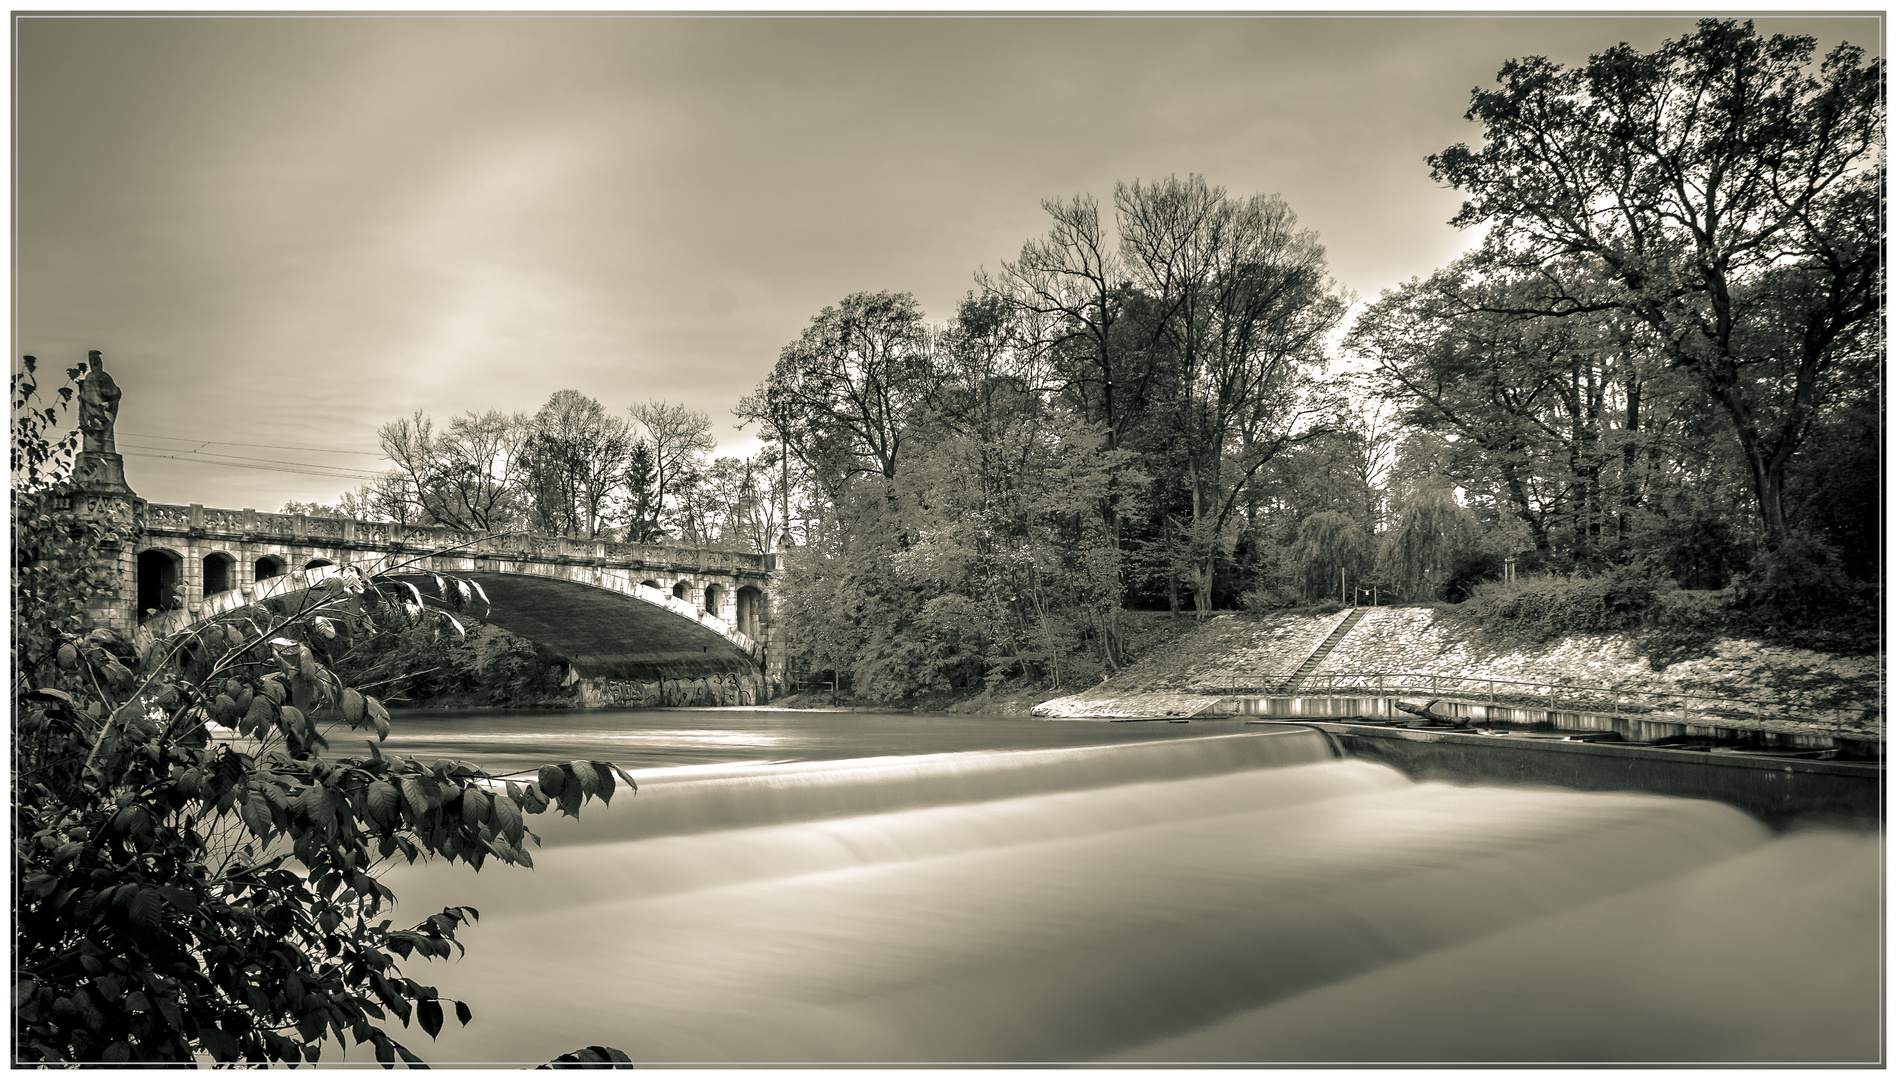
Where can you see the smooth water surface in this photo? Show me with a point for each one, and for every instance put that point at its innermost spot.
(847, 888)
(507, 741)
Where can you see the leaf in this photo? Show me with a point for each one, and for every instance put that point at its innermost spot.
(463, 1013)
(303, 692)
(508, 817)
(626, 776)
(583, 772)
(353, 706)
(262, 714)
(416, 795)
(256, 818)
(473, 807)
(147, 908)
(552, 780)
(428, 1012)
(384, 802)
(603, 774)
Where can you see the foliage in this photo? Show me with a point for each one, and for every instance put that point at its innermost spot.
(184, 893)
(1328, 544)
(485, 665)
(1539, 608)
(1798, 593)
(1721, 192)
(1418, 553)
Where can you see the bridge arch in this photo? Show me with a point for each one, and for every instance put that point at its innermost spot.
(318, 561)
(270, 566)
(715, 599)
(682, 588)
(160, 580)
(220, 573)
(607, 630)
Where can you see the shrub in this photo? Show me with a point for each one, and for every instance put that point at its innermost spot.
(179, 895)
(1799, 594)
(1535, 609)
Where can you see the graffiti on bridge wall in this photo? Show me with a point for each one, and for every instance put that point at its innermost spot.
(725, 689)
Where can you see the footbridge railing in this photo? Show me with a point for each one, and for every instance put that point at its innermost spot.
(1687, 706)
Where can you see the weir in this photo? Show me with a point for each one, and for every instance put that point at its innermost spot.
(1257, 897)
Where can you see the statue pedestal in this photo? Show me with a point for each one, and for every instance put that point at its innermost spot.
(98, 472)
(101, 498)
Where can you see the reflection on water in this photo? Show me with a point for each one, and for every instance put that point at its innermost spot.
(1245, 898)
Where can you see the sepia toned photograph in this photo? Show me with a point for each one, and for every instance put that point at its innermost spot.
(1234, 539)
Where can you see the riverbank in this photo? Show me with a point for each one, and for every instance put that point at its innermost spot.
(1415, 651)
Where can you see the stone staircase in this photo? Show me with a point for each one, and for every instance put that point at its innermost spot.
(1318, 654)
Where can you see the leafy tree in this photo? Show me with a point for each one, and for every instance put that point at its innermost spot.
(1732, 198)
(1330, 544)
(179, 894)
(1431, 531)
(847, 389)
(1571, 425)
(1240, 300)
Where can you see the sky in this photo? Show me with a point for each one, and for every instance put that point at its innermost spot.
(284, 232)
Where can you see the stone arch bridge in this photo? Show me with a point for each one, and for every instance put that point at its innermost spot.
(635, 623)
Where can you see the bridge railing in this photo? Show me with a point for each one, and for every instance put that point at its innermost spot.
(253, 525)
(1681, 705)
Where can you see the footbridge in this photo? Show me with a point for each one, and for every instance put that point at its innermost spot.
(623, 616)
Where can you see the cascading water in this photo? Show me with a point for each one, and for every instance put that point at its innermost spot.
(1241, 898)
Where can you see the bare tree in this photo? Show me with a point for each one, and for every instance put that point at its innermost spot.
(466, 476)
(678, 440)
(575, 457)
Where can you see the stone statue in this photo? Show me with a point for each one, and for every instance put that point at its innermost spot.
(98, 406)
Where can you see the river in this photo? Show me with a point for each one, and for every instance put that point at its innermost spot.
(847, 888)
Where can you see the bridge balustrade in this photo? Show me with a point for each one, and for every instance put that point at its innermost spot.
(262, 526)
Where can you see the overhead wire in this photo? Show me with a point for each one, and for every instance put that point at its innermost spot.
(264, 446)
(188, 454)
(306, 470)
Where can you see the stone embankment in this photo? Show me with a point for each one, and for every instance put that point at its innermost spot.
(1414, 651)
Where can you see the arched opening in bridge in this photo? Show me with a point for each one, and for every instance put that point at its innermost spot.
(268, 567)
(160, 581)
(217, 573)
(750, 613)
(650, 584)
(715, 600)
(682, 590)
(314, 563)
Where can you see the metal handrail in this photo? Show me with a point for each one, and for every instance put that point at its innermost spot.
(1496, 691)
